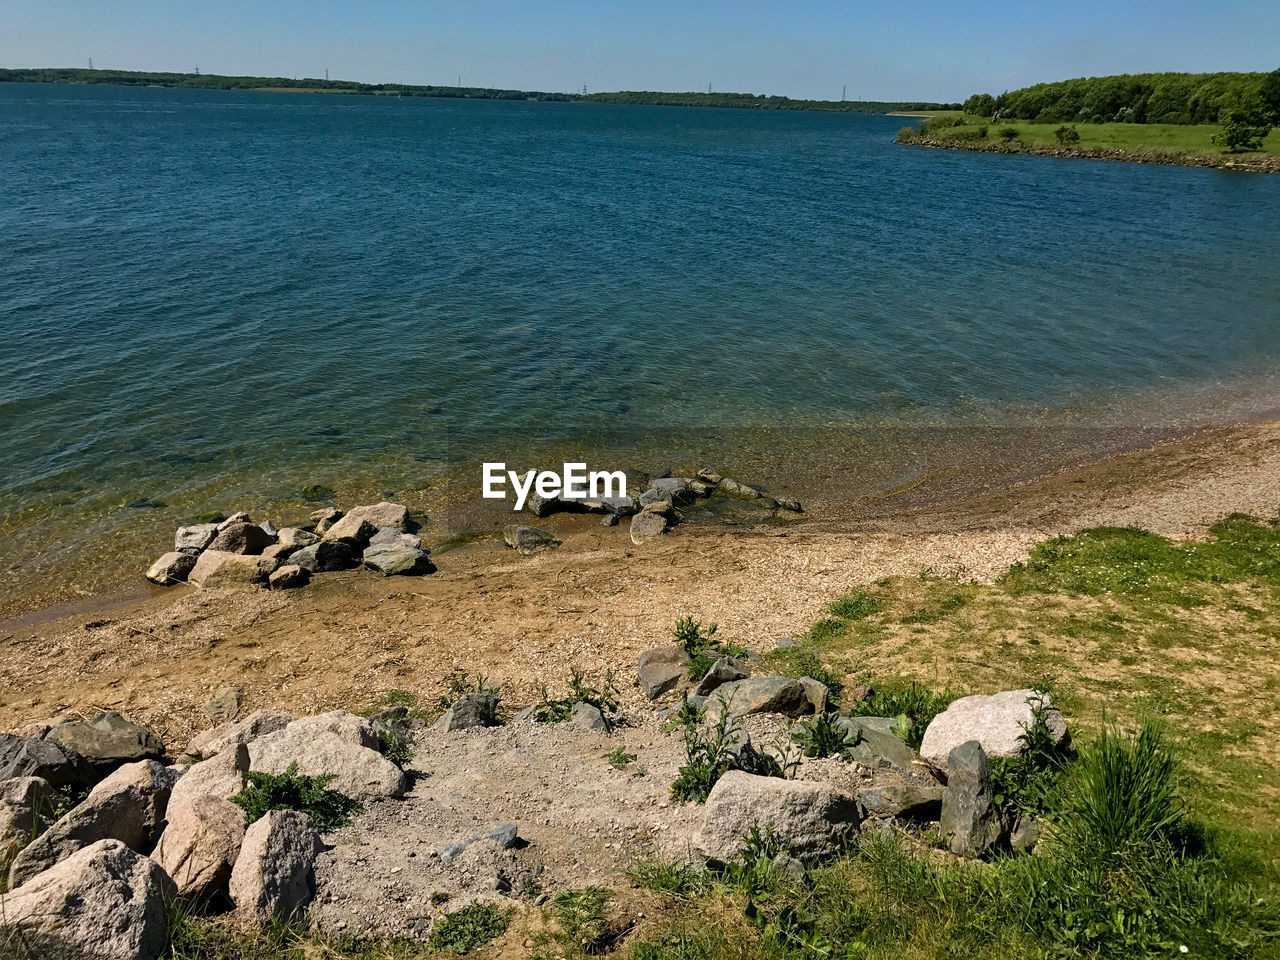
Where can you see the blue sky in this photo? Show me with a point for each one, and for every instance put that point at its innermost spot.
(912, 49)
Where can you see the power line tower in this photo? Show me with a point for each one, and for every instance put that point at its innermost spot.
(91, 63)
(844, 92)
(197, 69)
(584, 89)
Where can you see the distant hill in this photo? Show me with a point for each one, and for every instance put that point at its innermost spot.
(1130, 98)
(209, 81)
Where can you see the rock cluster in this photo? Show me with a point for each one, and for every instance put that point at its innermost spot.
(237, 551)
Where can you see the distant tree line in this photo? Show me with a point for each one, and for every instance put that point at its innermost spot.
(209, 81)
(1138, 98)
(760, 102)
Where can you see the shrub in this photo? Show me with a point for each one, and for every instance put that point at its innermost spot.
(264, 792)
(710, 754)
(980, 105)
(1243, 128)
(702, 647)
(394, 747)
(913, 704)
(1009, 134)
(1067, 136)
(1027, 785)
(472, 926)
(823, 736)
(604, 698)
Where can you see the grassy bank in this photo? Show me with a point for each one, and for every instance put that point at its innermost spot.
(1179, 144)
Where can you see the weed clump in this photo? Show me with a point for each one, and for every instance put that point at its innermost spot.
(471, 927)
(702, 647)
(264, 792)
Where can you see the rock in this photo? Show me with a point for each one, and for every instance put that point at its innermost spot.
(390, 559)
(661, 669)
(761, 695)
(394, 721)
(240, 537)
(969, 822)
(289, 577)
(470, 710)
(210, 743)
(323, 557)
(609, 520)
(324, 518)
(789, 503)
(28, 757)
(384, 514)
(816, 693)
(788, 867)
(725, 670)
(360, 773)
(236, 518)
(1025, 835)
(701, 489)
(617, 506)
(541, 506)
(294, 538)
(173, 567)
(587, 716)
(390, 535)
(274, 876)
(787, 643)
(912, 801)
(216, 568)
(671, 489)
(709, 476)
(26, 803)
(352, 530)
(221, 776)
(269, 528)
(859, 693)
(528, 540)
(997, 722)
(195, 538)
(354, 729)
(104, 902)
(878, 747)
(809, 819)
(200, 845)
(107, 740)
(506, 835)
(225, 705)
(646, 525)
(128, 806)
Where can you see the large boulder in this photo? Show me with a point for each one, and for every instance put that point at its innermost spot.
(28, 757)
(221, 776)
(470, 710)
(107, 740)
(809, 819)
(350, 727)
(241, 538)
(648, 524)
(760, 695)
(218, 568)
(104, 902)
(391, 559)
(358, 772)
(195, 538)
(970, 823)
(200, 844)
(877, 746)
(211, 742)
(274, 875)
(323, 557)
(172, 567)
(725, 670)
(997, 722)
(128, 806)
(26, 804)
(661, 670)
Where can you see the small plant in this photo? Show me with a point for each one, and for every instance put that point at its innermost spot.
(912, 704)
(1027, 784)
(471, 927)
(673, 879)
(264, 792)
(604, 698)
(619, 758)
(824, 736)
(459, 684)
(584, 920)
(701, 646)
(1067, 136)
(394, 747)
(711, 754)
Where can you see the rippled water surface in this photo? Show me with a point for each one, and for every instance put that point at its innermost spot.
(204, 292)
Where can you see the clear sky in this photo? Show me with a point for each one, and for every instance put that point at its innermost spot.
(906, 50)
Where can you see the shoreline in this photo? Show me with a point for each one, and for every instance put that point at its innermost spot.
(1265, 163)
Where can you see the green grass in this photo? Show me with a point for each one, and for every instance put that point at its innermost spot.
(473, 926)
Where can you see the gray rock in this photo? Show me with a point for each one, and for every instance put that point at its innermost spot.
(324, 518)
(294, 538)
(26, 804)
(969, 822)
(390, 535)
(351, 727)
(221, 776)
(28, 757)
(470, 710)
(362, 523)
(289, 577)
(359, 772)
(128, 806)
(225, 705)
(104, 902)
(541, 506)
(761, 695)
(391, 559)
(878, 747)
(217, 568)
(107, 740)
(586, 716)
(504, 834)
(725, 670)
(736, 489)
(647, 525)
(269, 528)
(789, 503)
(701, 489)
(709, 476)
(243, 538)
(912, 801)
(172, 567)
(671, 489)
(809, 819)
(661, 670)
(788, 867)
(528, 540)
(274, 875)
(609, 520)
(997, 722)
(195, 538)
(1025, 835)
(236, 518)
(787, 643)
(353, 530)
(210, 743)
(393, 722)
(323, 557)
(200, 844)
(816, 693)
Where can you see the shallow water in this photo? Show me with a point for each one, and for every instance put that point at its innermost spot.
(211, 297)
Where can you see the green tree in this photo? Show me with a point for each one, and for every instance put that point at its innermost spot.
(1244, 127)
(1270, 97)
(980, 105)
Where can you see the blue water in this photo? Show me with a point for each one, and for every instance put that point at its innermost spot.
(202, 288)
